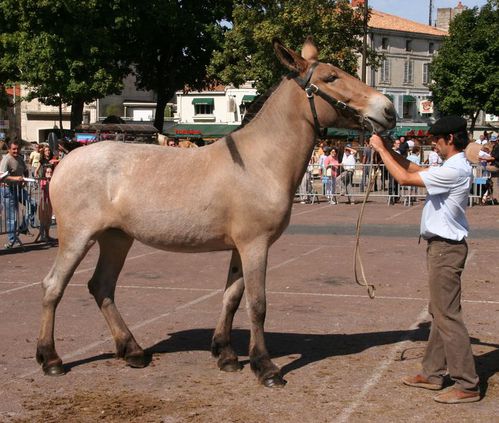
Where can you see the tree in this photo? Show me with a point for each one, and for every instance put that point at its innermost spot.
(8, 70)
(171, 45)
(67, 51)
(465, 72)
(247, 53)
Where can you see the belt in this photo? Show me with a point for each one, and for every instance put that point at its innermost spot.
(449, 241)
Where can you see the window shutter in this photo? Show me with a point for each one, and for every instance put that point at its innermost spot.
(426, 73)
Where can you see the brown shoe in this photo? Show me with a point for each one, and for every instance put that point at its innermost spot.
(456, 396)
(420, 381)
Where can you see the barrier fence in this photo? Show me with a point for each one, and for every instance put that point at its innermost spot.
(349, 186)
(25, 207)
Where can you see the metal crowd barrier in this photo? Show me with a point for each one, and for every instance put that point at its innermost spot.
(25, 209)
(316, 187)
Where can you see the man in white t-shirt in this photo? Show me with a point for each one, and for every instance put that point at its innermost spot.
(348, 164)
(445, 228)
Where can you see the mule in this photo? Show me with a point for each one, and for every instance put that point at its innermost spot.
(239, 199)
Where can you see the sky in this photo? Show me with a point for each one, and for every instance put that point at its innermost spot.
(418, 10)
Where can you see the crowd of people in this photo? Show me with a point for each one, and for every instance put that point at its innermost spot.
(22, 181)
(335, 165)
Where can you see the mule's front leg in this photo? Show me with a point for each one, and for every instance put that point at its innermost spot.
(254, 267)
(220, 345)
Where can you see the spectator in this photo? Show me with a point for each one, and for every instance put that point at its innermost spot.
(416, 159)
(305, 187)
(493, 163)
(45, 159)
(366, 161)
(414, 156)
(331, 165)
(433, 158)
(45, 207)
(34, 159)
(171, 143)
(481, 140)
(13, 193)
(403, 146)
(393, 185)
(348, 163)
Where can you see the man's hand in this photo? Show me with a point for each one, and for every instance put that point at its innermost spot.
(377, 143)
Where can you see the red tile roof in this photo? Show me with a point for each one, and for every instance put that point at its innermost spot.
(382, 20)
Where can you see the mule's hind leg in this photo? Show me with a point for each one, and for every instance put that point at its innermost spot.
(114, 246)
(72, 249)
(220, 344)
(254, 259)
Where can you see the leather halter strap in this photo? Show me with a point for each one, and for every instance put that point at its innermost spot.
(311, 90)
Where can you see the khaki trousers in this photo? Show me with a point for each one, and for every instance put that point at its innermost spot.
(449, 347)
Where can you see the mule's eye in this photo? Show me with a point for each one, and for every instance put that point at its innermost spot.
(331, 78)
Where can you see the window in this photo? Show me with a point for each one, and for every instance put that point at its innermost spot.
(203, 109)
(431, 48)
(408, 45)
(426, 73)
(203, 106)
(384, 43)
(385, 71)
(408, 72)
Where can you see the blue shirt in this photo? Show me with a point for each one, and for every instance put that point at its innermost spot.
(448, 189)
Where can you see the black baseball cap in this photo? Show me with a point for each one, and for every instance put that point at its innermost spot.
(448, 125)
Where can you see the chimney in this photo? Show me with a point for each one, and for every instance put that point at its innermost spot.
(445, 15)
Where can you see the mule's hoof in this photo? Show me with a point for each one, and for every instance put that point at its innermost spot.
(137, 361)
(276, 381)
(230, 366)
(54, 370)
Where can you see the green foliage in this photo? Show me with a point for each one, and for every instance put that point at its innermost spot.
(64, 50)
(114, 110)
(171, 44)
(247, 53)
(465, 72)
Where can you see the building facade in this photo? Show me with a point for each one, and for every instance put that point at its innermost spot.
(210, 114)
(408, 48)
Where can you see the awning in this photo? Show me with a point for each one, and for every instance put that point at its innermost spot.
(248, 98)
(206, 101)
(193, 130)
(409, 99)
(343, 133)
(412, 131)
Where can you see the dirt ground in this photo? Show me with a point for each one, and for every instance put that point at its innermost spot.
(342, 354)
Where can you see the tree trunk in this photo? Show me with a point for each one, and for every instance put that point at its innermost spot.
(474, 117)
(61, 136)
(159, 119)
(76, 113)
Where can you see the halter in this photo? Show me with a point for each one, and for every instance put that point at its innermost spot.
(311, 90)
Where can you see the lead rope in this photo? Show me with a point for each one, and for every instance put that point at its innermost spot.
(357, 259)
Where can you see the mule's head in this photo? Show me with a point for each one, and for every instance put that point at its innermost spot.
(338, 85)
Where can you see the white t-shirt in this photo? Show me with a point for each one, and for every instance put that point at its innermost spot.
(348, 162)
(434, 159)
(448, 189)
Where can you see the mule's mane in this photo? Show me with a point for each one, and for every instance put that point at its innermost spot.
(257, 105)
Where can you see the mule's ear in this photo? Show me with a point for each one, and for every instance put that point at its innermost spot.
(289, 58)
(309, 51)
